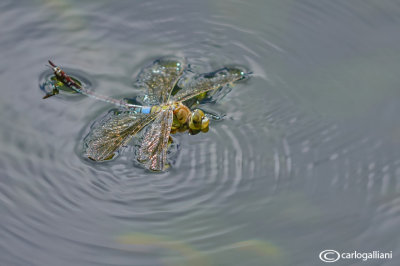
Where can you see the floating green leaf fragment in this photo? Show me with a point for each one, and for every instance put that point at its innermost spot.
(62, 87)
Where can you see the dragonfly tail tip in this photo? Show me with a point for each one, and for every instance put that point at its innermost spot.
(51, 63)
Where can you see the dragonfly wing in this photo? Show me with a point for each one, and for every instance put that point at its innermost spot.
(208, 82)
(160, 78)
(112, 132)
(153, 149)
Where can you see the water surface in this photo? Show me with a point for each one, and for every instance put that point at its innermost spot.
(306, 157)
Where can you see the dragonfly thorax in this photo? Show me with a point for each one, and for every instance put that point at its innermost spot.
(181, 113)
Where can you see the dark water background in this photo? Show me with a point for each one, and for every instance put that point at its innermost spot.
(306, 158)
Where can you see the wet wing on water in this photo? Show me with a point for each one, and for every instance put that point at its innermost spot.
(208, 82)
(153, 149)
(160, 78)
(113, 131)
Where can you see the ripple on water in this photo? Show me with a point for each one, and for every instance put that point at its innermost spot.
(208, 168)
(58, 205)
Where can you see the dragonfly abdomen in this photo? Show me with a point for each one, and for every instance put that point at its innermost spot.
(138, 108)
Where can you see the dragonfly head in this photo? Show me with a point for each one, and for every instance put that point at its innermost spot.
(198, 121)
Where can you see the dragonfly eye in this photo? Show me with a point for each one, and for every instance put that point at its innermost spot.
(196, 119)
(204, 123)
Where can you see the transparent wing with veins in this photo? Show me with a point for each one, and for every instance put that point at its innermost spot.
(160, 78)
(208, 82)
(114, 131)
(153, 149)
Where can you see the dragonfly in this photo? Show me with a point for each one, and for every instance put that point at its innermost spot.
(162, 114)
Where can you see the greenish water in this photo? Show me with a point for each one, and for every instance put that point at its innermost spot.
(305, 159)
